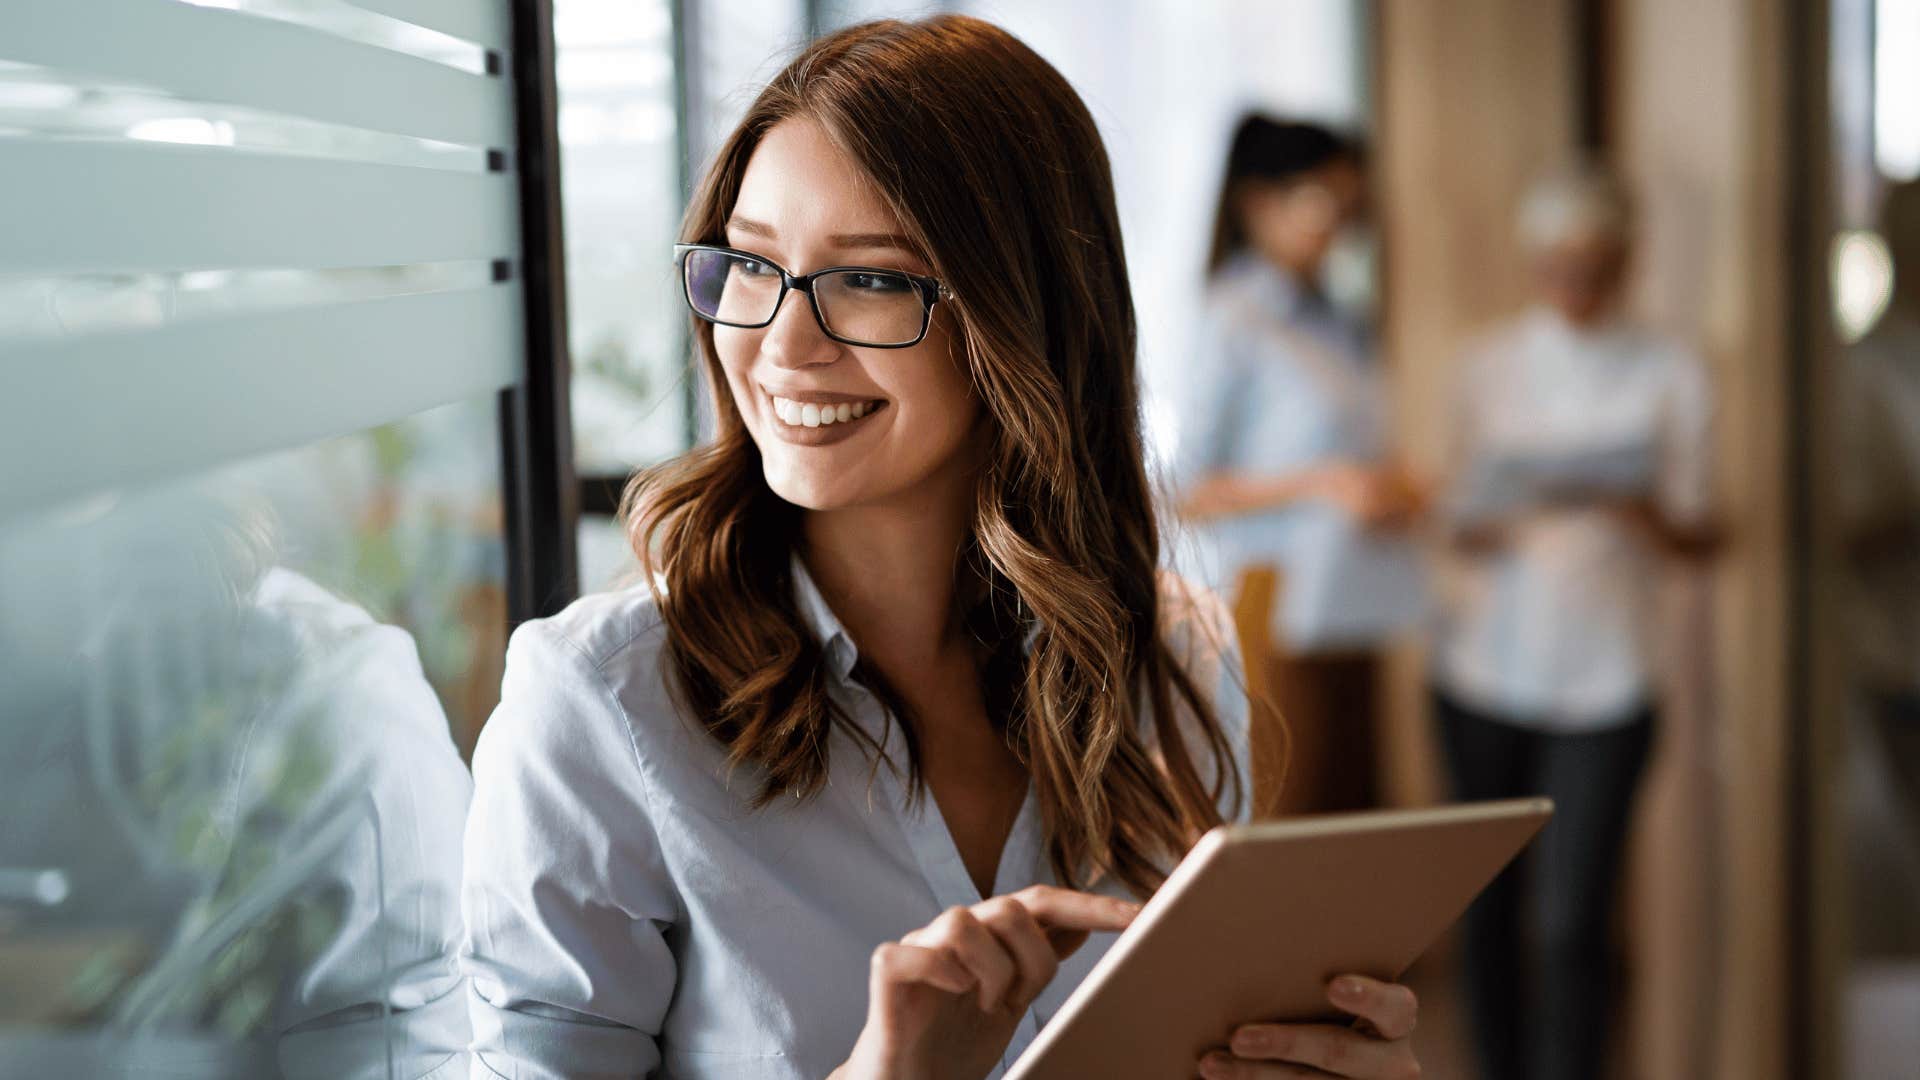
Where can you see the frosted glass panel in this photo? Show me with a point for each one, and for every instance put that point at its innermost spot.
(263, 62)
(81, 205)
(260, 290)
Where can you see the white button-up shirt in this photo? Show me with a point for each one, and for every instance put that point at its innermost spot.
(1556, 628)
(628, 914)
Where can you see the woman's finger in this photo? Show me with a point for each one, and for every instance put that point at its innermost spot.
(975, 946)
(1392, 1009)
(1020, 934)
(895, 963)
(1222, 1066)
(1067, 916)
(1330, 1048)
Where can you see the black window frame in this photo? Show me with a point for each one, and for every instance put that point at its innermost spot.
(541, 497)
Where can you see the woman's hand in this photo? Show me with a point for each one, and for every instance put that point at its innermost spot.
(1384, 497)
(1375, 1047)
(944, 1000)
(1681, 541)
(1377, 496)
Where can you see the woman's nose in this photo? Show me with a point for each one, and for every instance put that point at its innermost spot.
(794, 339)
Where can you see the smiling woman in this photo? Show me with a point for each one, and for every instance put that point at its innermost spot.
(904, 656)
(909, 453)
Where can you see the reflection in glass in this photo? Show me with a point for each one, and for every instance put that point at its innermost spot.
(231, 808)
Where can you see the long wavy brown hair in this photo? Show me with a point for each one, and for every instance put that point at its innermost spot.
(996, 171)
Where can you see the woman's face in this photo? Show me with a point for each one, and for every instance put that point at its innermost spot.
(1294, 223)
(805, 205)
(1581, 277)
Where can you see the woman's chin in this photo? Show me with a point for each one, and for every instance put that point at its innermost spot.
(809, 491)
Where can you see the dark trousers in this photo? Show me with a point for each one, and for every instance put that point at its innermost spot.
(1537, 960)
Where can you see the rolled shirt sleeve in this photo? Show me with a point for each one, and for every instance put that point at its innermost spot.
(566, 896)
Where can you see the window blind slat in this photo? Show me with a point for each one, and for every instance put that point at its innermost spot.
(483, 22)
(117, 410)
(126, 206)
(227, 57)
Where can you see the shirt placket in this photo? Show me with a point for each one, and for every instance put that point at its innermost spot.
(938, 857)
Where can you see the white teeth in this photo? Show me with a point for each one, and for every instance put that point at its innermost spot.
(809, 414)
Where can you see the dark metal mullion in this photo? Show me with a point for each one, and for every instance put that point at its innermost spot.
(600, 493)
(541, 502)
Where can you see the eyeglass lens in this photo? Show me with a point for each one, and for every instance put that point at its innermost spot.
(871, 307)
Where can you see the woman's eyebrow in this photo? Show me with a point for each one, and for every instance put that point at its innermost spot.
(875, 240)
(751, 227)
(849, 241)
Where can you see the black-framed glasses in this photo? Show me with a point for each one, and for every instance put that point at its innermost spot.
(854, 305)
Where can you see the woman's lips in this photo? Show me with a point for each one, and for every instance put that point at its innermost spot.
(818, 421)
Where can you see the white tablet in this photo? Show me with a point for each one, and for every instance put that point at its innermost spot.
(1257, 919)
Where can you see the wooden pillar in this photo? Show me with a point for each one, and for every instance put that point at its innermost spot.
(1475, 96)
(1701, 121)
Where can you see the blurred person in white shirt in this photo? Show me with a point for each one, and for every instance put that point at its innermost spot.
(1579, 461)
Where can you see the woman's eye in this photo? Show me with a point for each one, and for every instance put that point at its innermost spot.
(887, 283)
(750, 268)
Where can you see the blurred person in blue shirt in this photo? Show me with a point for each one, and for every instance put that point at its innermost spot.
(1282, 452)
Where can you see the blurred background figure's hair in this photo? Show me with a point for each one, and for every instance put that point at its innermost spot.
(1573, 202)
(1272, 151)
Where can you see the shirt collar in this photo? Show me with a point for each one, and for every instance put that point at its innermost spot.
(1609, 330)
(820, 619)
(840, 650)
(1273, 287)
